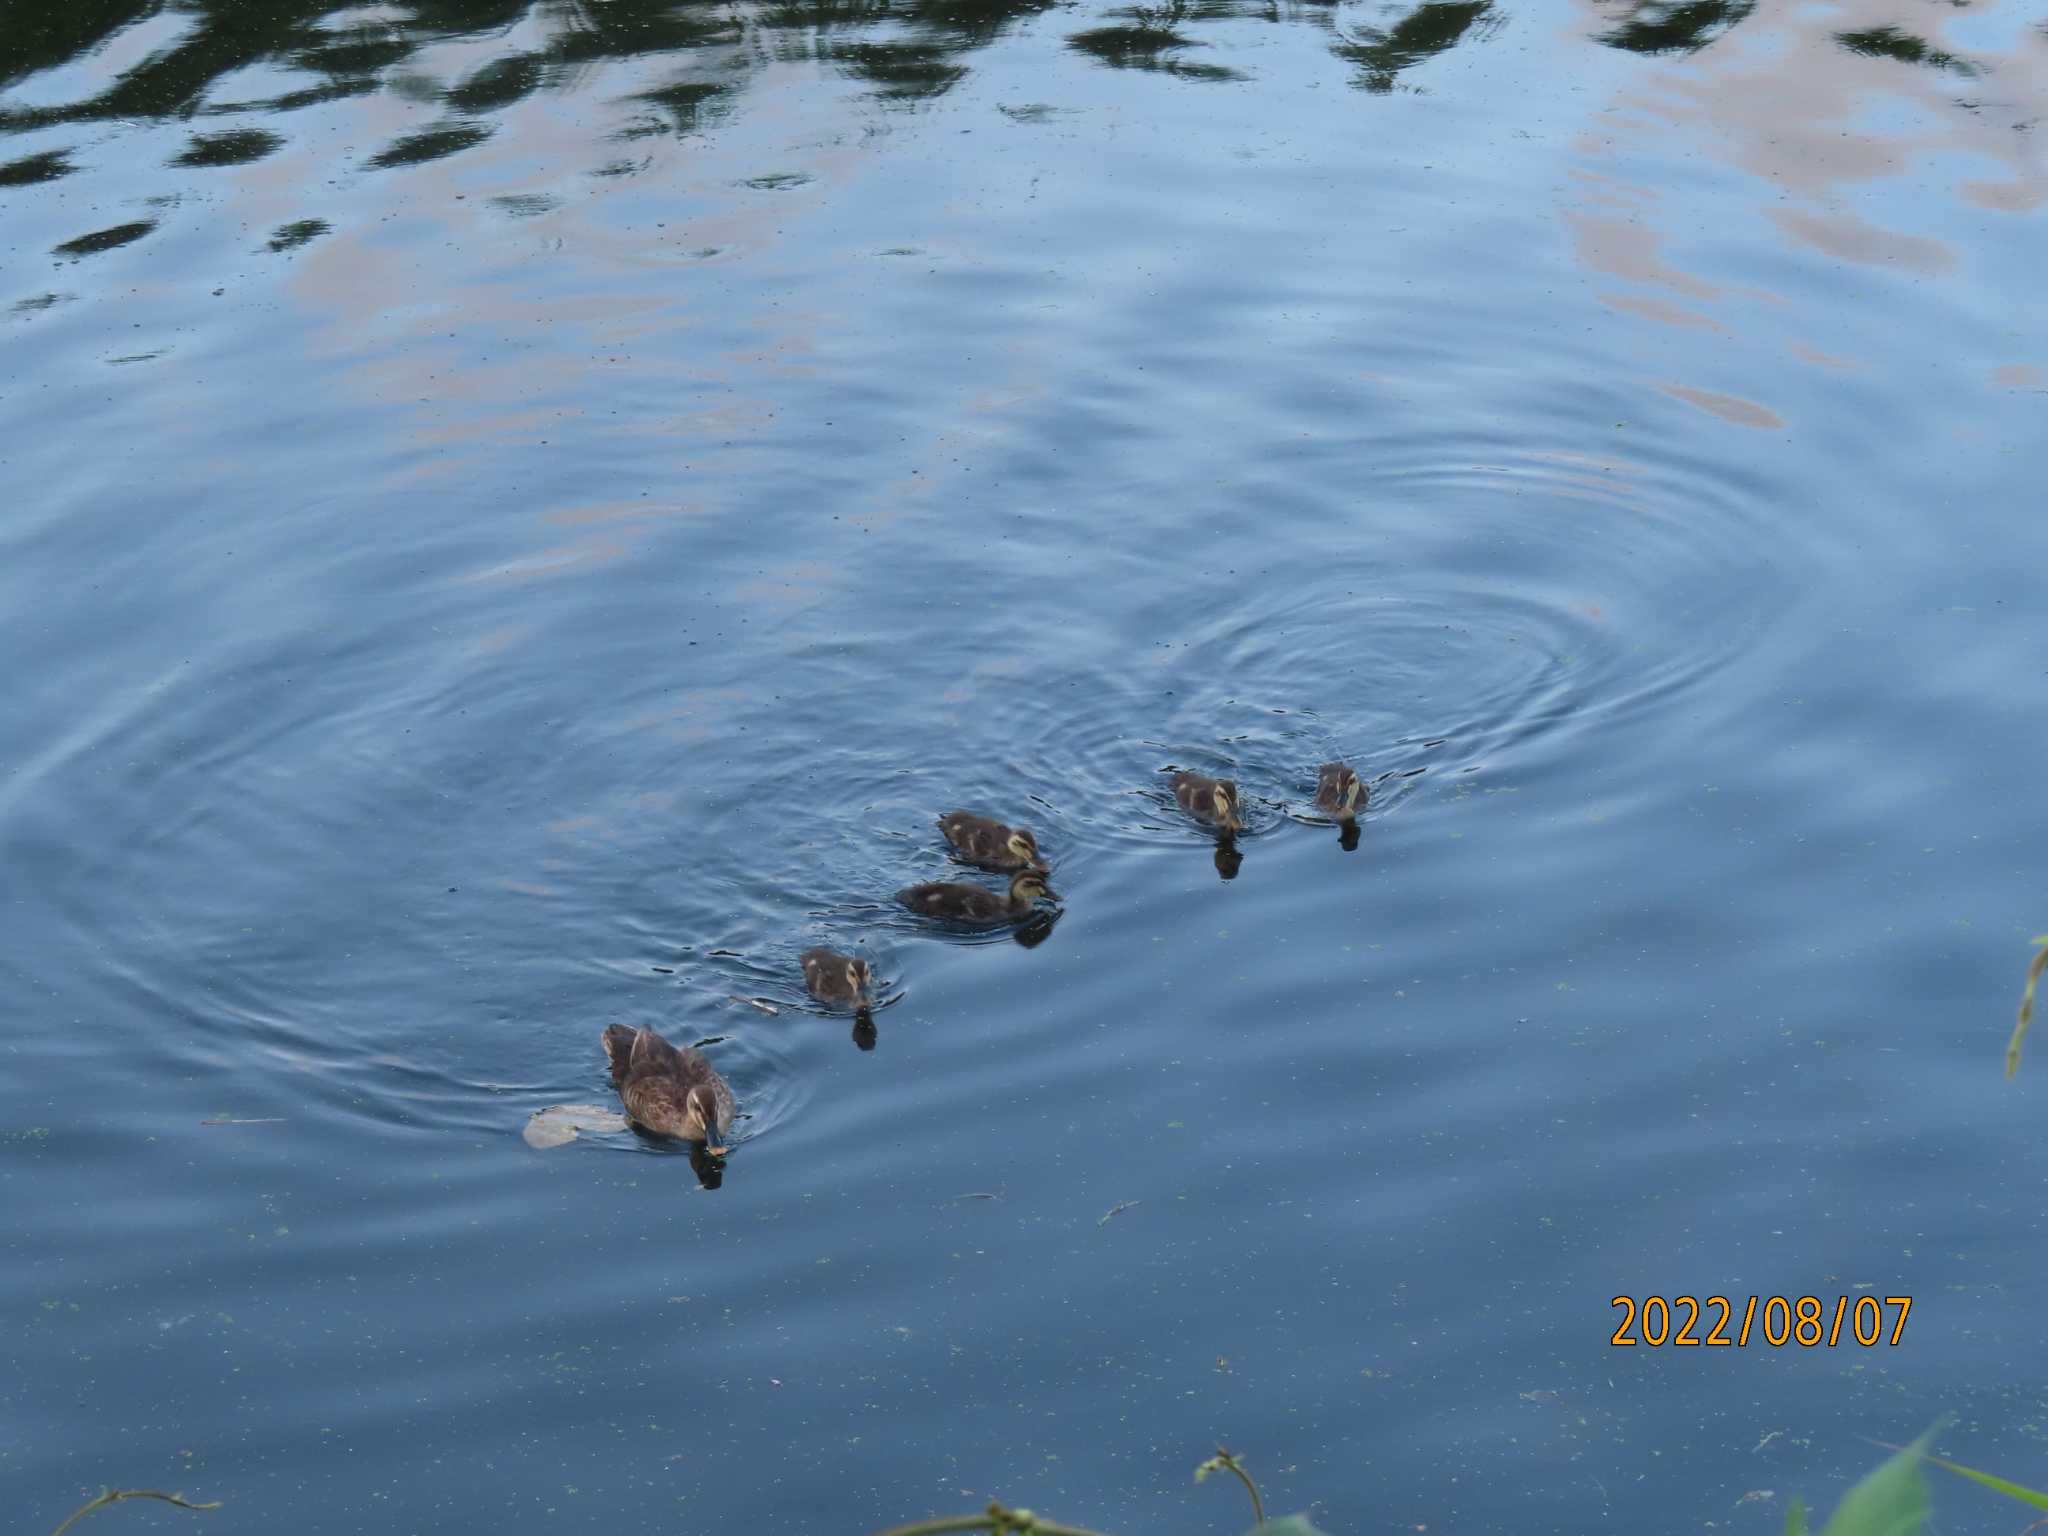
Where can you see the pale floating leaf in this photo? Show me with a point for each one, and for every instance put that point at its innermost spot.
(558, 1124)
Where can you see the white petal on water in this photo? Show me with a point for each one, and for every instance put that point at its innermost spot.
(559, 1123)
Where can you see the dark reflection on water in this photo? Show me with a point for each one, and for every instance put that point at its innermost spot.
(1381, 54)
(1148, 41)
(105, 239)
(908, 53)
(1229, 857)
(1036, 929)
(237, 146)
(722, 47)
(1888, 42)
(288, 237)
(1674, 26)
(47, 166)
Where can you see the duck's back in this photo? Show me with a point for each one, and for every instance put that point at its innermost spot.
(654, 1079)
(946, 899)
(637, 1053)
(977, 838)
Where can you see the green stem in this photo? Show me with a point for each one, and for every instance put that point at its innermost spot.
(116, 1495)
(1258, 1504)
(2019, 1033)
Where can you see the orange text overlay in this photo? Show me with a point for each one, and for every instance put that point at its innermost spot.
(1774, 1320)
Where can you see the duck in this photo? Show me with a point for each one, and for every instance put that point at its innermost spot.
(835, 978)
(1206, 799)
(1340, 791)
(976, 904)
(987, 844)
(670, 1091)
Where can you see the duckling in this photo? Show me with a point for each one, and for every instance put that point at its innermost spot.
(835, 978)
(669, 1091)
(977, 904)
(987, 844)
(1340, 792)
(1207, 799)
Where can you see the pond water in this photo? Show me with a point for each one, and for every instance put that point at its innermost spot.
(517, 517)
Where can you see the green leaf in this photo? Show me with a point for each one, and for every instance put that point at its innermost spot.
(1892, 1501)
(1286, 1525)
(1996, 1484)
(1795, 1517)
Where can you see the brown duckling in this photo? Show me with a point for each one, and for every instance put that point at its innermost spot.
(976, 904)
(669, 1091)
(1340, 792)
(987, 844)
(836, 979)
(1207, 799)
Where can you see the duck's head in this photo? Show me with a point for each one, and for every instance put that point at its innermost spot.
(1028, 888)
(1024, 849)
(704, 1116)
(1339, 789)
(1225, 812)
(858, 979)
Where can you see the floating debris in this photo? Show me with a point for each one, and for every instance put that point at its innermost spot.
(558, 1124)
(761, 1003)
(1117, 1210)
(232, 1120)
(972, 1194)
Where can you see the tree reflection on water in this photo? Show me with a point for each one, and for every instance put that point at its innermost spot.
(223, 57)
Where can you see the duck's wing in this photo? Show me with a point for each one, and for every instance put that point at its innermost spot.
(978, 837)
(618, 1049)
(659, 1102)
(941, 898)
(652, 1054)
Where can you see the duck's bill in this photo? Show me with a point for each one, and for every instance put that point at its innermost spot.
(1053, 895)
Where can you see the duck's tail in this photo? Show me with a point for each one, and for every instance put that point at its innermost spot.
(618, 1045)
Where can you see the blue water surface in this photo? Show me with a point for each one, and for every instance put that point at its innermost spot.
(517, 517)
